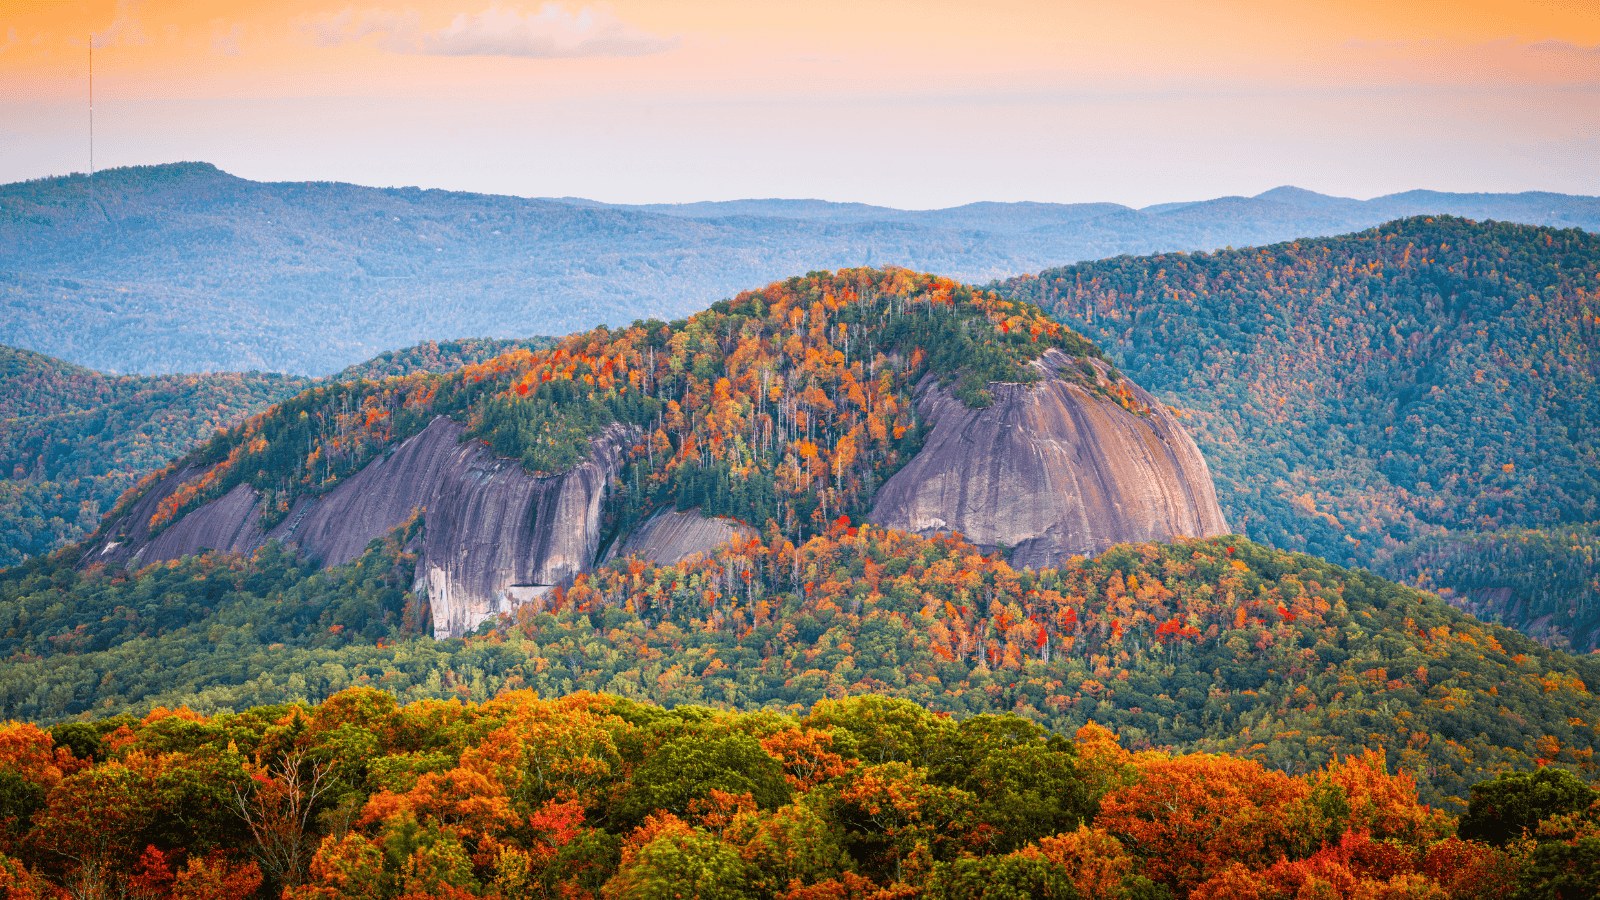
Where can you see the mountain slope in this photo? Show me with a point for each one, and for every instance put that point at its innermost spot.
(185, 268)
(782, 408)
(1354, 394)
(796, 399)
(72, 440)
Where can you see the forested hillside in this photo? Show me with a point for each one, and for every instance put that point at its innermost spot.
(1429, 379)
(828, 710)
(783, 407)
(1219, 645)
(72, 440)
(185, 268)
(436, 357)
(1545, 580)
(594, 796)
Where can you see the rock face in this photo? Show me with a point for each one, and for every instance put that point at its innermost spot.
(1050, 470)
(493, 537)
(670, 536)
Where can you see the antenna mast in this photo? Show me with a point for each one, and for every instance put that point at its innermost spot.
(91, 107)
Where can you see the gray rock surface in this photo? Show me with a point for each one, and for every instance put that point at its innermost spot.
(1050, 470)
(494, 536)
(670, 536)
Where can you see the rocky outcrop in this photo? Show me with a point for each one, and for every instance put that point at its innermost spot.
(494, 536)
(1050, 470)
(670, 536)
(224, 524)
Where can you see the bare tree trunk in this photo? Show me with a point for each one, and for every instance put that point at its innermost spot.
(278, 812)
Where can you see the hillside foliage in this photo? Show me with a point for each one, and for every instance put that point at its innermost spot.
(1355, 394)
(1545, 581)
(1218, 645)
(599, 796)
(72, 440)
(436, 356)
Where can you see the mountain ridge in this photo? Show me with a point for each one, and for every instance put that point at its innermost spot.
(186, 268)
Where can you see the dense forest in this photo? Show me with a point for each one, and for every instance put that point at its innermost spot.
(788, 404)
(832, 710)
(1219, 645)
(1430, 378)
(783, 407)
(436, 356)
(1547, 581)
(73, 440)
(599, 796)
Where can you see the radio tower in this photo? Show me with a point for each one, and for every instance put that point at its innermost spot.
(91, 109)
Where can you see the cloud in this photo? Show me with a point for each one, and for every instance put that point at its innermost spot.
(349, 27)
(124, 29)
(1564, 48)
(227, 42)
(11, 40)
(551, 33)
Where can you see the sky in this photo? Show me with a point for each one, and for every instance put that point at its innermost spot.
(908, 104)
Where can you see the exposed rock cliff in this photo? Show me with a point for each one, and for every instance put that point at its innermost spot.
(494, 535)
(1050, 470)
(670, 536)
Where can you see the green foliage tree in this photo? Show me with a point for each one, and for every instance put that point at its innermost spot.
(1514, 803)
(1013, 877)
(684, 864)
(690, 767)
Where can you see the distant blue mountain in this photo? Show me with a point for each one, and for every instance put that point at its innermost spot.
(184, 267)
(1287, 204)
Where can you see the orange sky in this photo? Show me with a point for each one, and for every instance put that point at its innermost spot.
(904, 103)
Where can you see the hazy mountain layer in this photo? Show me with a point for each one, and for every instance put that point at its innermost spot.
(185, 268)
